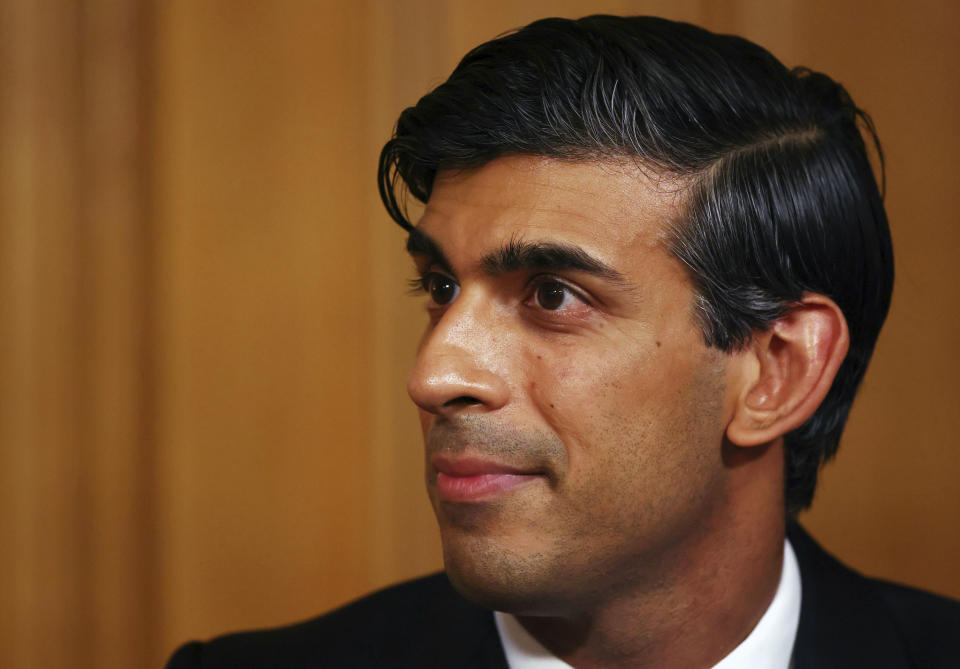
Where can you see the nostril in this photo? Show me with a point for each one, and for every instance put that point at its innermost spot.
(462, 400)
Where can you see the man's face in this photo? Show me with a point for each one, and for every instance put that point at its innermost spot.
(572, 415)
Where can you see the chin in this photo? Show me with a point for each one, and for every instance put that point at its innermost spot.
(498, 578)
(491, 590)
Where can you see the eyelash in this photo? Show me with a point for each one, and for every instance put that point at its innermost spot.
(418, 284)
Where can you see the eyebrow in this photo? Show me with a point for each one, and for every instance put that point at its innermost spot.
(517, 255)
(421, 244)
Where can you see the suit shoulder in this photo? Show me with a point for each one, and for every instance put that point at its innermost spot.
(847, 619)
(929, 624)
(396, 623)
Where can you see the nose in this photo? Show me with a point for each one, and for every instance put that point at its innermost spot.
(459, 365)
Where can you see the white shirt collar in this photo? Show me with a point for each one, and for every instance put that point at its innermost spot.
(768, 646)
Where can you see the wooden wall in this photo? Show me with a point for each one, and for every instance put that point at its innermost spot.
(204, 332)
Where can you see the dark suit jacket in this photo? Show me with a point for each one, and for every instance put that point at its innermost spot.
(846, 620)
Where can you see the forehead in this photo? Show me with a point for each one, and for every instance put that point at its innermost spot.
(614, 210)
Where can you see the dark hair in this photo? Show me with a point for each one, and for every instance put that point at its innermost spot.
(782, 198)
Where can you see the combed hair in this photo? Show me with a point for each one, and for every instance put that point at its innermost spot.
(781, 201)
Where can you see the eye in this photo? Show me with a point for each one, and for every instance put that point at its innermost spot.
(441, 288)
(553, 295)
(550, 295)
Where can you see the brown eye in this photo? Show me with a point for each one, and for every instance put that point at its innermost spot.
(442, 288)
(550, 295)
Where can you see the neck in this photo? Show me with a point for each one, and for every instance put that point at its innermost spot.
(705, 597)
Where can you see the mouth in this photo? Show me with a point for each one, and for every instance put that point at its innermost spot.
(462, 479)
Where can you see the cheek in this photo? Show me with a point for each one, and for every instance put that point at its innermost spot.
(641, 428)
(614, 391)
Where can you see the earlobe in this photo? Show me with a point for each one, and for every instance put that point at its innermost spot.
(793, 366)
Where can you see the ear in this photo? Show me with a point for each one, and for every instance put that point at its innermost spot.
(788, 370)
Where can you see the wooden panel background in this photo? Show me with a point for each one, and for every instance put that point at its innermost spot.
(205, 334)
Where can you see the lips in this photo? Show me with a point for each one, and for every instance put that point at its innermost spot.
(474, 480)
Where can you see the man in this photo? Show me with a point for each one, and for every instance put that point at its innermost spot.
(655, 264)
